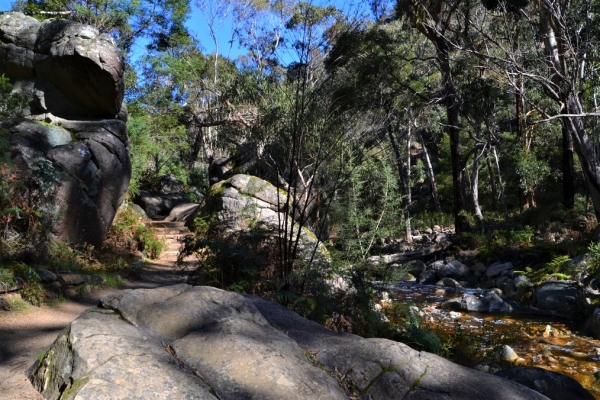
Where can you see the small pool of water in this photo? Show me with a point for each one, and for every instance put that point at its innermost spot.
(540, 341)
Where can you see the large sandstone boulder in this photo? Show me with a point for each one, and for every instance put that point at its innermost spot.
(80, 172)
(158, 204)
(559, 298)
(64, 68)
(244, 202)
(75, 165)
(201, 343)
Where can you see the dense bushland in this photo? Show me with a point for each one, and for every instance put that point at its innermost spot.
(377, 121)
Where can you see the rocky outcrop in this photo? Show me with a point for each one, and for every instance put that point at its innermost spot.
(204, 343)
(489, 302)
(64, 68)
(244, 202)
(158, 205)
(79, 170)
(182, 212)
(559, 298)
(75, 164)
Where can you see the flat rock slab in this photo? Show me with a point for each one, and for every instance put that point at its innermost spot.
(178, 342)
(197, 342)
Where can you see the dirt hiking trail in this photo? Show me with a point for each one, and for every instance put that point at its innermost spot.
(25, 335)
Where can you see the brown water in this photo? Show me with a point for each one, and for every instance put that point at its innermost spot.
(540, 341)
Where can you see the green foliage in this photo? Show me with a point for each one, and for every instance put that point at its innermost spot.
(32, 290)
(367, 209)
(155, 143)
(531, 171)
(232, 262)
(404, 316)
(6, 275)
(128, 234)
(492, 244)
(125, 20)
(552, 269)
(427, 219)
(62, 258)
(151, 244)
(306, 291)
(11, 103)
(24, 229)
(469, 347)
(66, 257)
(557, 263)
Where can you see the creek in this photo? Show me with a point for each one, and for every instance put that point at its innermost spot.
(476, 339)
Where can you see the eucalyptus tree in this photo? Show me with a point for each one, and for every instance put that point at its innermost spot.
(570, 41)
(178, 83)
(381, 65)
(310, 137)
(560, 62)
(437, 21)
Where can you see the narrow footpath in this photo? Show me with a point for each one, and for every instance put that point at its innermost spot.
(25, 335)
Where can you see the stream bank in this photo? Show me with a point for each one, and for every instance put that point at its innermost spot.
(494, 341)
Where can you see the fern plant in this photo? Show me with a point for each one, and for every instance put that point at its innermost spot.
(556, 264)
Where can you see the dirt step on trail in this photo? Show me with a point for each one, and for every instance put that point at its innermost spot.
(173, 233)
(25, 335)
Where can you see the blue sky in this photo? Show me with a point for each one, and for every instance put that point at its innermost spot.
(198, 26)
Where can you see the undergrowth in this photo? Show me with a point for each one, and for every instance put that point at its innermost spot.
(111, 262)
(128, 234)
(340, 297)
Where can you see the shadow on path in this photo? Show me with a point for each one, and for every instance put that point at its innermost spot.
(26, 335)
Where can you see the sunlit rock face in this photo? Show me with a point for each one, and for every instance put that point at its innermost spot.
(71, 147)
(198, 342)
(245, 203)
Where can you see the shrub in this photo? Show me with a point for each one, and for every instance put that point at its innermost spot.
(128, 233)
(149, 242)
(243, 261)
(31, 290)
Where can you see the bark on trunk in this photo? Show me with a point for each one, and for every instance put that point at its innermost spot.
(451, 102)
(568, 170)
(492, 181)
(475, 186)
(408, 199)
(559, 54)
(501, 184)
(588, 154)
(431, 176)
(403, 180)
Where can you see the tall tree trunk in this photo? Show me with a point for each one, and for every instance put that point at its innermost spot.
(402, 178)
(453, 130)
(408, 194)
(501, 184)
(568, 169)
(586, 151)
(557, 44)
(475, 186)
(524, 198)
(431, 176)
(433, 27)
(492, 181)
